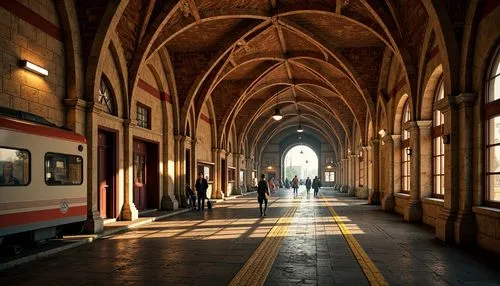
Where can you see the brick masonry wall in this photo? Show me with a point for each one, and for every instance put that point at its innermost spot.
(19, 40)
(203, 136)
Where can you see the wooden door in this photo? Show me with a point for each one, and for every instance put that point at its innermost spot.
(140, 175)
(105, 174)
(224, 176)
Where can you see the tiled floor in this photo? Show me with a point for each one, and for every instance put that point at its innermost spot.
(210, 247)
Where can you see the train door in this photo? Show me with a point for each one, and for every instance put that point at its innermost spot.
(145, 175)
(106, 168)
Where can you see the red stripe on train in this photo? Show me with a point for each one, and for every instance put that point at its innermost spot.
(39, 216)
(37, 129)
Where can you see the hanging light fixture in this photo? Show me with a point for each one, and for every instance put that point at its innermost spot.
(299, 129)
(301, 152)
(277, 112)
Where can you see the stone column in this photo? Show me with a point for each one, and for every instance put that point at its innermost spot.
(445, 222)
(373, 164)
(238, 157)
(217, 193)
(391, 142)
(465, 227)
(75, 115)
(168, 201)
(425, 143)
(94, 222)
(413, 210)
(353, 162)
(129, 211)
(249, 162)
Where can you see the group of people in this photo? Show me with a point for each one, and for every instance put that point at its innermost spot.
(201, 187)
(315, 184)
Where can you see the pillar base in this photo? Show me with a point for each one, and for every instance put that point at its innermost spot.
(351, 191)
(445, 225)
(388, 203)
(168, 203)
(130, 212)
(94, 223)
(465, 228)
(218, 195)
(373, 197)
(413, 212)
(344, 189)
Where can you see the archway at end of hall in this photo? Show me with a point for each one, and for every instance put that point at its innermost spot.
(301, 161)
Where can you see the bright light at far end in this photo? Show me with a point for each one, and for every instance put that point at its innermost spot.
(34, 68)
(328, 167)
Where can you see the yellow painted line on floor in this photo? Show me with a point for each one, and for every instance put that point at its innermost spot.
(371, 271)
(257, 267)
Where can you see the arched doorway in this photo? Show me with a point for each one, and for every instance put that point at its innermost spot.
(300, 160)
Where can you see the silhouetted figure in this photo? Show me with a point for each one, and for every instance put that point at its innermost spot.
(263, 194)
(201, 190)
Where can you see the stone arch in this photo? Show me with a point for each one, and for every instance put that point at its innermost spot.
(398, 113)
(429, 93)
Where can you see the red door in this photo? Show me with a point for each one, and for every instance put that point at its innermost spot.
(140, 175)
(105, 175)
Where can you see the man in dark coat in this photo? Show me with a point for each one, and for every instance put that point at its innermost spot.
(201, 190)
(262, 194)
(308, 184)
(316, 185)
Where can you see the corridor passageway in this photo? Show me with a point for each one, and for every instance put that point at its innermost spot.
(212, 247)
(116, 114)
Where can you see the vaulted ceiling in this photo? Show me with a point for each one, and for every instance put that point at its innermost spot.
(321, 58)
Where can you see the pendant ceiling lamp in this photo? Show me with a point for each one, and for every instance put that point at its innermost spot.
(277, 112)
(299, 129)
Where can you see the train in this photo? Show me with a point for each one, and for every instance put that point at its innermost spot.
(43, 176)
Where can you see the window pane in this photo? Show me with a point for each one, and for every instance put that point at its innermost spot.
(494, 187)
(494, 130)
(494, 89)
(61, 169)
(15, 167)
(494, 159)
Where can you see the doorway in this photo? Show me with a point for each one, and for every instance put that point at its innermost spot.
(224, 177)
(145, 164)
(106, 198)
(188, 167)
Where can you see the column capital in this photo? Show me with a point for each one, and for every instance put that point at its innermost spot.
(446, 104)
(424, 123)
(77, 103)
(466, 99)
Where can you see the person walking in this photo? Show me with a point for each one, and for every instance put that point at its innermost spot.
(316, 185)
(191, 197)
(295, 185)
(263, 194)
(308, 185)
(201, 190)
(271, 185)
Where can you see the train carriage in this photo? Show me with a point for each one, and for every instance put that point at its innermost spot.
(43, 176)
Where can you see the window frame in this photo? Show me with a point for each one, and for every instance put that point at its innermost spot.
(361, 170)
(109, 97)
(437, 132)
(148, 115)
(29, 166)
(327, 178)
(491, 109)
(405, 146)
(65, 154)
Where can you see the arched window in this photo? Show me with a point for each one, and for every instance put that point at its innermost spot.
(405, 151)
(438, 145)
(361, 169)
(106, 97)
(492, 127)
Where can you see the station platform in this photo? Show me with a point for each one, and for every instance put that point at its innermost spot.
(331, 239)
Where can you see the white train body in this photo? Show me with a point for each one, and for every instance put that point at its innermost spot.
(55, 191)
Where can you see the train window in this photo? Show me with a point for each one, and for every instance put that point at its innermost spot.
(62, 169)
(15, 167)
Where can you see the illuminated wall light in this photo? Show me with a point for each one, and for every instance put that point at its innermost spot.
(382, 133)
(34, 68)
(328, 167)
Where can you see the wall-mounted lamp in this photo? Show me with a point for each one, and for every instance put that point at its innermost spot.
(382, 133)
(328, 167)
(408, 151)
(270, 167)
(34, 68)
